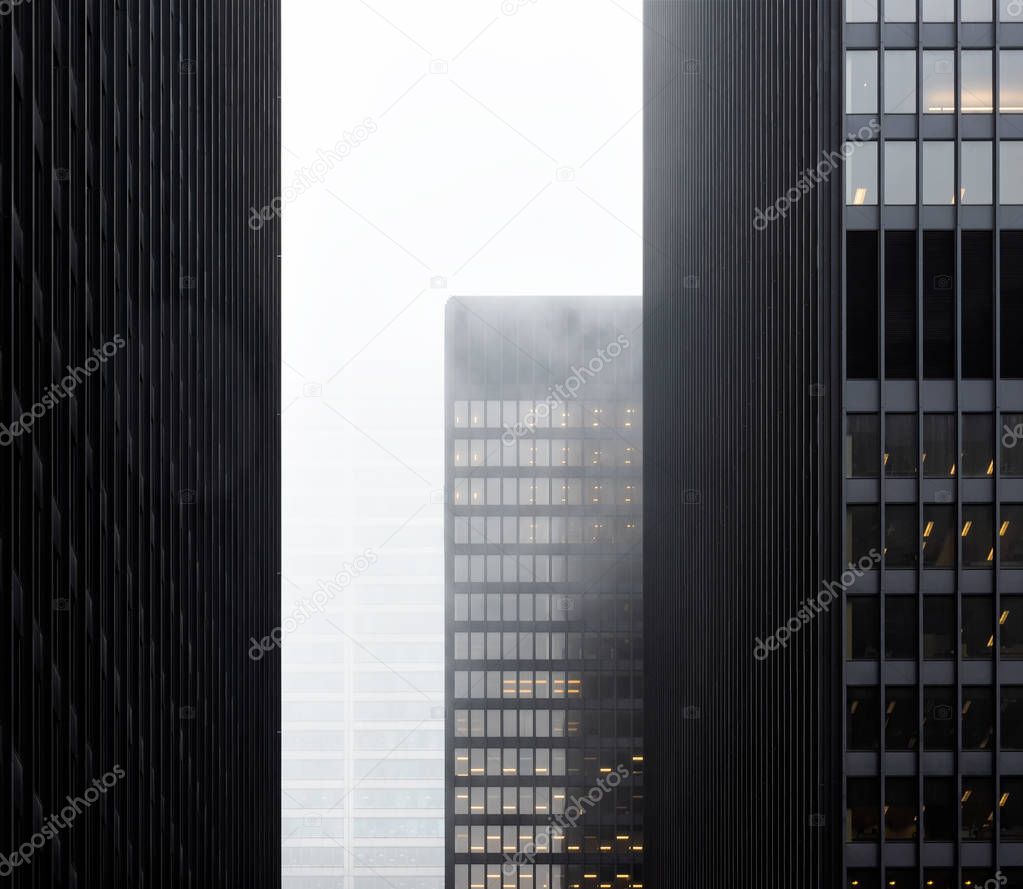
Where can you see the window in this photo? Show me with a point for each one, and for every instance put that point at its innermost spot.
(863, 531)
(939, 173)
(1010, 11)
(900, 724)
(943, 877)
(1010, 83)
(978, 807)
(1011, 622)
(899, 81)
(1012, 717)
(861, 82)
(863, 813)
(862, 445)
(900, 818)
(1011, 247)
(900, 541)
(1010, 533)
(939, 811)
(978, 446)
(1010, 436)
(939, 537)
(975, 10)
(978, 307)
(900, 174)
(939, 717)
(860, 11)
(978, 536)
(939, 627)
(939, 81)
(865, 878)
(900, 628)
(861, 174)
(978, 717)
(975, 95)
(900, 446)
(900, 301)
(939, 261)
(976, 175)
(1010, 161)
(863, 727)
(1011, 804)
(900, 10)
(938, 11)
(862, 305)
(939, 446)
(862, 629)
(978, 628)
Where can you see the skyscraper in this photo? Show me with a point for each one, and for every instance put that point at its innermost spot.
(139, 389)
(834, 302)
(544, 683)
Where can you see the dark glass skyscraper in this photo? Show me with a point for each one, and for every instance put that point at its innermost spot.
(543, 571)
(139, 454)
(834, 303)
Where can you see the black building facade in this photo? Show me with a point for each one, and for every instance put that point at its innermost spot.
(544, 736)
(833, 316)
(139, 454)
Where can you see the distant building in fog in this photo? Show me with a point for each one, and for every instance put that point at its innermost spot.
(543, 570)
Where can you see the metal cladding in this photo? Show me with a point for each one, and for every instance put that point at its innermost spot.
(140, 456)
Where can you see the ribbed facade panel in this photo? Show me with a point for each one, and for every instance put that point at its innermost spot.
(139, 519)
(740, 406)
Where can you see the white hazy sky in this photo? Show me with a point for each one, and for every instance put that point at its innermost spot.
(505, 158)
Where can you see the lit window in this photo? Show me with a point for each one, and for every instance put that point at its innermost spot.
(975, 10)
(975, 95)
(900, 81)
(1010, 81)
(900, 10)
(861, 11)
(939, 82)
(900, 173)
(938, 11)
(976, 183)
(1010, 163)
(861, 174)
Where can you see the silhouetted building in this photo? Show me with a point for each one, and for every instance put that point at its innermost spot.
(139, 454)
(544, 685)
(833, 314)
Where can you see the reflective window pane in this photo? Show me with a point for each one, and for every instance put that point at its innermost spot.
(1010, 436)
(978, 628)
(939, 537)
(975, 93)
(861, 82)
(939, 173)
(861, 174)
(900, 450)
(1010, 80)
(900, 726)
(975, 10)
(863, 726)
(939, 627)
(861, 10)
(900, 538)
(939, 819)
(900, 10)
(900, 81)
(1012, 717)
(938, 11)
(900, 634)
(978, 455)
(939, 717)
(939, 82)
(1010, 533)
(978, 717)
(1010, 11)
(1011, 627)
(863, 531)
(939, 451)
(1010, 190)
(862, 445)
(862, 628)
(900, 173)
(976, 174)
